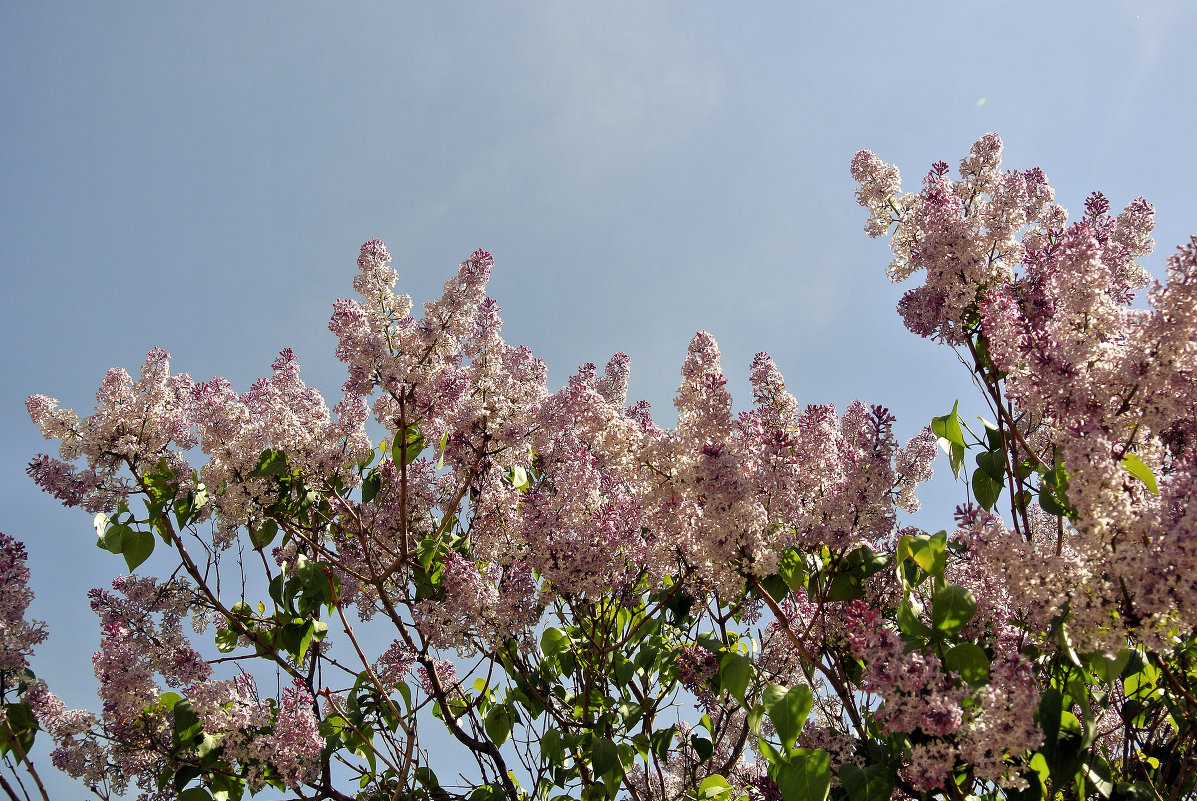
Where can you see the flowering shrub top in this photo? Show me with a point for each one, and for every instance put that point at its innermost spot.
(563, 583)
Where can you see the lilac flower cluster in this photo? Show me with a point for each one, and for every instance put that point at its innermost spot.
(698, 671)
(139, 424)
(135, 423)
(1092, 380)
(991, 728)
(18, 636)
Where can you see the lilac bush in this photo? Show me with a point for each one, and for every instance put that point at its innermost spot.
(593, 606)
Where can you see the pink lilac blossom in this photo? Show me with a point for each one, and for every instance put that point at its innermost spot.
(450, 622)
(150, 616)
(394, 664)
(136, 424)
(18, 636)
(570, 494)
(698, 671)
(916, 692)
(280, 413)
(1001, 730)
(446, 675)
(77, 752)
(296, 744)
(230, 707)
(1101, 379)
(476, 609)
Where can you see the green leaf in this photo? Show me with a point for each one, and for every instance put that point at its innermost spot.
(23, 724)
(702, 746)
(518, 477)
(604, 757)
(952, 607)
(499, 722)
(1134, 465)
(788, 710)
(554, 641)
(553, 747)
(1062, 736)
(1050, 503)
(426, 777)
(969, 661)
(305, 638)
(662, 742)
(114, 537)
(804, 777)
(413, 444)
(776, 587)
(186, 724)
(195, 794)
(930, 552)
(735, 671)
(427, 550)
(405, 692)
(227, 788)
(951, 437)
(262, 536)
(270, 464)
(137, 547)
(754, 717)
(440, 460)
(873, 783)
(985, 489)
(948, 426)
(624, 670)
(956, 459)
(1105, 669)
(847, 586)
(1132, 791)
(791, 570)
(994, 465)
(713, 786)
(993, 436)
(226, 640)
(910, 622)
(208, 744)
(1098, 775)
(371, 484)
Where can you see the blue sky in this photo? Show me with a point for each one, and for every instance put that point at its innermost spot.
(199, 177)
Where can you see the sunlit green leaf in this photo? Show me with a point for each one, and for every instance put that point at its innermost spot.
(554, 641)
(1134, 465)
(270, 464)
(604, 757)
(713, 786)
(499, 723)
